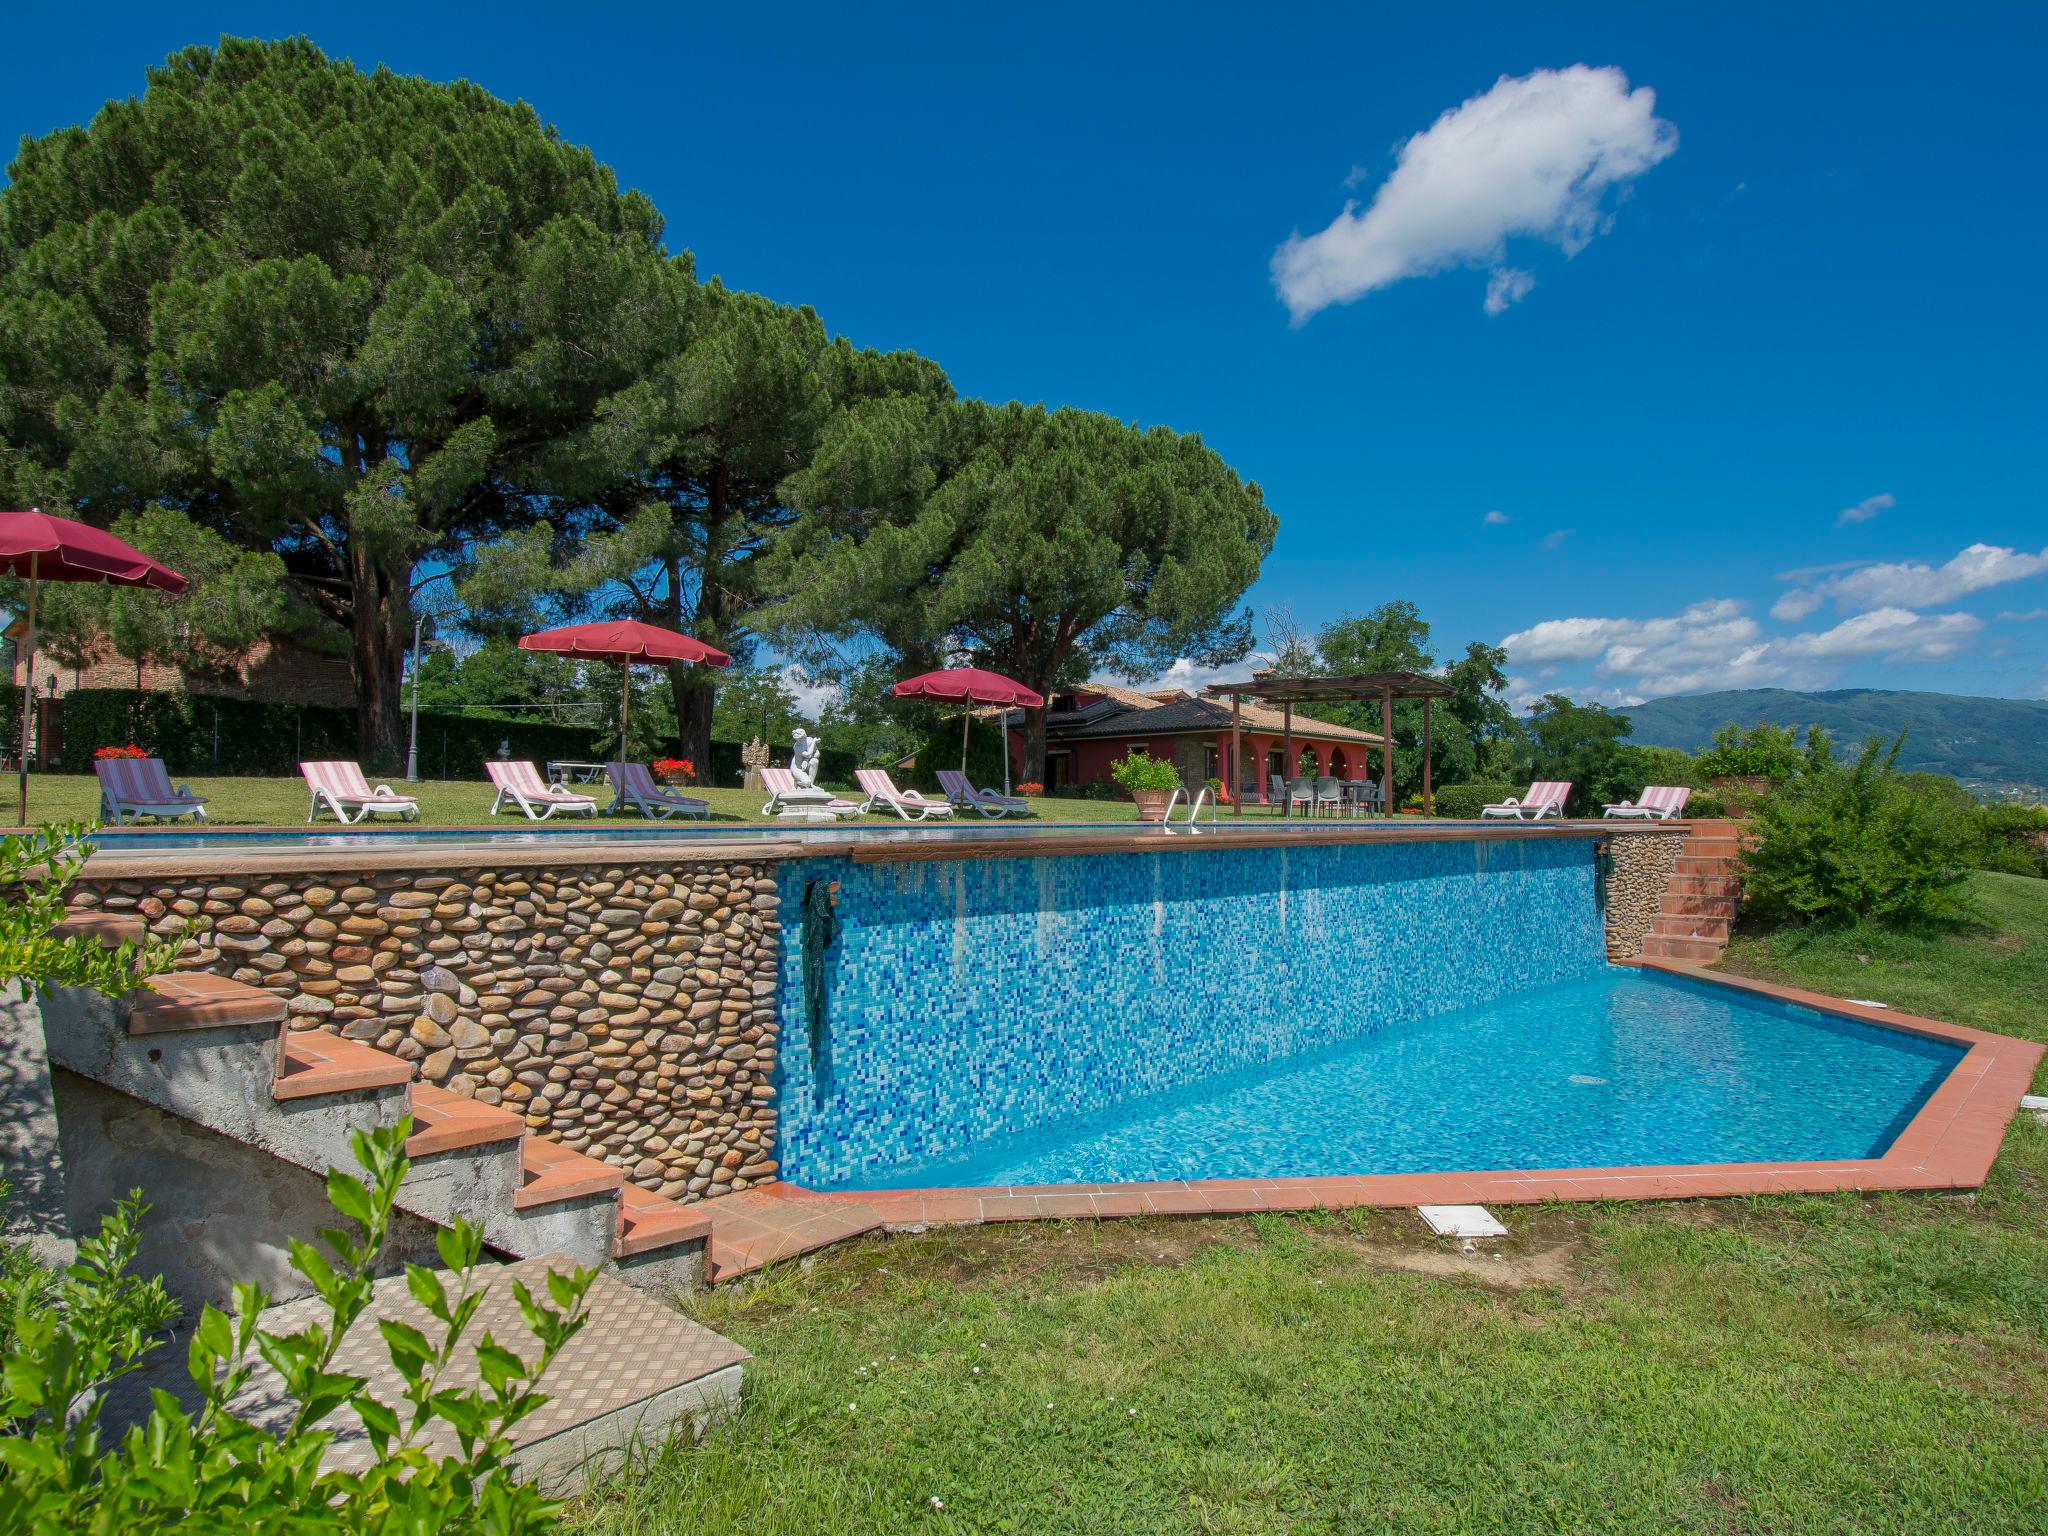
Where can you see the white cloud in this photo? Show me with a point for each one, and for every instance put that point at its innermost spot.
(1521, 693)
(1795, 606)
(1866, 509)
(1713, 628)
(812, 697)
(2013, 616)
(1911, 584)
(1506, 287)
(1897, 634)
(1186, 674)
(1535, 156)
(1557, 536)
(1495, 519)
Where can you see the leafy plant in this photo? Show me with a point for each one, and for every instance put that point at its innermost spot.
(2012, 839)
(210, 1469)
(111, 754)
(1462, 802)
(1763, 751)
(1139, 770)
(35, 870)
(1840, 843)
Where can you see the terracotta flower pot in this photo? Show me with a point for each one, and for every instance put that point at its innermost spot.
(1152, 803)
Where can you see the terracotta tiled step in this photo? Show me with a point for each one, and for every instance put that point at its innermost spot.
(311, 1061)
(109, 928)
(447, 1122)
(199, 1000)
(1712, 847)
(648, 1221)
(1728, 886)
(1690, 925)
(1691, 865)
(1676, 903)
(756, 1227)
(553, 1172)
(1692, 951)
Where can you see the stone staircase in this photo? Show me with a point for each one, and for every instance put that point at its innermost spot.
(219, 1053)
(1700, 902)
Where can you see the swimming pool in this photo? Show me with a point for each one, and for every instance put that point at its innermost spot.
(1287, 1012)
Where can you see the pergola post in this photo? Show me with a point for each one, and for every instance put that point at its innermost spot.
(1237, 753)
(1387, 751)
(1289, 768)
(1428, 794)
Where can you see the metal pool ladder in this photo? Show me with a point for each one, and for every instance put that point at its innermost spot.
(1194, 806)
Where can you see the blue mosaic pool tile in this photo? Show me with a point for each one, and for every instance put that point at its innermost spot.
(970, 999)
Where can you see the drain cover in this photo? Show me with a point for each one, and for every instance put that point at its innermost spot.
(1584, 1081)
(1461, 1221)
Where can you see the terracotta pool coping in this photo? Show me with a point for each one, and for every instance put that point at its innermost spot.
(580, 844)
(1949, 1145)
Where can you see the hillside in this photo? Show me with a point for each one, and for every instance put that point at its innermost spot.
(1981, 741)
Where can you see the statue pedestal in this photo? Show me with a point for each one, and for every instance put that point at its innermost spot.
(807, 805)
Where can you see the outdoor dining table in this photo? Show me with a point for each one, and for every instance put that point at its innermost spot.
(562, 771)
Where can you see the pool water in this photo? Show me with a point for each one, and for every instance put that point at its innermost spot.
(1610, 1069)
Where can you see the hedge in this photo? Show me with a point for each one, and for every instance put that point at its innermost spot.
(1463, 802)
(201, 735)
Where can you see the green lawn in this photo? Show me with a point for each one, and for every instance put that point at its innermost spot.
(443, 802)
(1803, 1364)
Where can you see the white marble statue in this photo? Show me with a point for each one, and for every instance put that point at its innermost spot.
(803, 761)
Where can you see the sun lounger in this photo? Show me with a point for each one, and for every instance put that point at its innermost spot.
(340, 787)
(633, 785)
(1659, 802)
(1545, 798)
(962, 795)
(787, 797)
(521, 784)
(134, 787)
(907, 803)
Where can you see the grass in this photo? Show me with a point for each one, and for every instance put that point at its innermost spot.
(443, 802)
(1804, 1364)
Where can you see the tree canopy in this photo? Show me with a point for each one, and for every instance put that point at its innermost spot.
(1042, 544)
(336, 314)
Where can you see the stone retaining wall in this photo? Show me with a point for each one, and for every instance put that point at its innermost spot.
(1638, 875)
(629, 1012)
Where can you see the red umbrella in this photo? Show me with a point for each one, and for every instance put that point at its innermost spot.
(624, 642)
(43, 548)
(970, 686)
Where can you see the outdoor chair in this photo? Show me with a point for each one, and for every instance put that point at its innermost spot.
(134, 787)
(962, 796)
(633, 785)
(1302, 793)
(1276, 792)
(782, 786)
(1545, 798)
(520, 784)
(341, 787)
(1659, 802)
(876, 785)
(1329, 796)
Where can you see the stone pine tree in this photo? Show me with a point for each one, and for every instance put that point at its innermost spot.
(335, 314)
(668, 507)
(1045, 545)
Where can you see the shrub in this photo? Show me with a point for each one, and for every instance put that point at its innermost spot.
(1704, 805)
(1841, 843)
(1463, 802)
(1764, 751)
(984, 755)
(2012, 839)
(1138, 770)
(211, 1471)
(35, 869)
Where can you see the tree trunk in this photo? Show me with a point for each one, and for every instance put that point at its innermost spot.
(380, 604)
(1032, 768)
(693, 692)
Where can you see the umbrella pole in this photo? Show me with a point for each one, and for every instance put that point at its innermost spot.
(625, 698)
(966, 719)
(28, 692)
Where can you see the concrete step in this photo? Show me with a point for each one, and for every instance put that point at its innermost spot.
(181, 1000)
(110, 929)
(757, 1227)
(649, 1222)
(448, 1122)
(312, 1063)
(1692, 951)
(552, 1172)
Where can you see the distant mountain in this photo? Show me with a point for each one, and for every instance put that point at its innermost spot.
(1985, 742)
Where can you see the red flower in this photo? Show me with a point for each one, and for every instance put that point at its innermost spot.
(105, 754)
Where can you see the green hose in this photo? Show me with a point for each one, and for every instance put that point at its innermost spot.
(820, 930)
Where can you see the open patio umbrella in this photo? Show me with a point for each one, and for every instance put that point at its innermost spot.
(41, 548)
(624, 642)
(971, 686)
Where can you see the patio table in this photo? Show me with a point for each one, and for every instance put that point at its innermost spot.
(562, 770)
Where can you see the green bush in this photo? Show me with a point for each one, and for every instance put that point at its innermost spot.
(1138, 770)
(942, 750)
(1764, 751)
(77, 1334)
(2012, 839)
(1462, 802)
(1842, 843)
(1705, 805)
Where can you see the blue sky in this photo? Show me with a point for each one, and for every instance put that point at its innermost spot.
(1781, 315)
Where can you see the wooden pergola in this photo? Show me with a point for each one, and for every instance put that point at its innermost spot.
(1287, 691)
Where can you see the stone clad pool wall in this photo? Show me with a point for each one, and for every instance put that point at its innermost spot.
(975, 998)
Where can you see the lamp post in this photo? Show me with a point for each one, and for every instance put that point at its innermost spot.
(412, 746)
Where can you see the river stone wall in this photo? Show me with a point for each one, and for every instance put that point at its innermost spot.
(1638, 875)
(628, 1012)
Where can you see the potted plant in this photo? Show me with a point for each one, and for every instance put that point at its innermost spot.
(1031, 788)
(674, 770)
(1148, 780)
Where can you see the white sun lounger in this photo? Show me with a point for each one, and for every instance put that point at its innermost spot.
(1545, 798)
(907, 803)
(134, 787)
(633, 785)
(521, 784)
(1659, 802)
(340, 787)
(962, 795)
